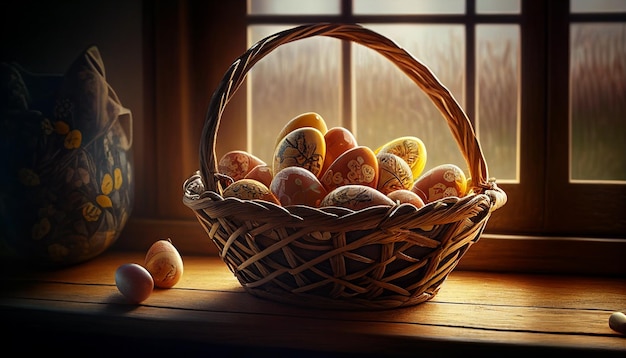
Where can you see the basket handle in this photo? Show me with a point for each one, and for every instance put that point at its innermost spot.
(458, 121)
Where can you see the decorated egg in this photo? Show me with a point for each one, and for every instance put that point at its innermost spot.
(303, 147)
(439, 182)
(409, 148)
(297, 186)
(402, 196)
(355, 166)
(355, 197)
(394, 173)
(338, 140)
(237, 163)
(262, 173)
(307, 119)
(249, 189)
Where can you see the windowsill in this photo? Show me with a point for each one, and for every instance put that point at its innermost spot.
(493, 253)
(208, 311)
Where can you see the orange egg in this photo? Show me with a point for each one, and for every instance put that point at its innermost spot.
(237, 163)
(306, 119)
(393, 173)
(338, 140)
(409, 148)
(441, 181)
(249, 189)
(303, 147)
(297, 186)
(355, 197)
(262, 173)
(402, 196)
(355, 166)
(164, 263)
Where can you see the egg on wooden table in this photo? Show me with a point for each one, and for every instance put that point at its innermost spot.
(249, 189)
(338, 140)
(134, 282)
(306, 119)
(303, 147)
(394, 173)
(237, 163)
(164, 263)
(409, 148)
(441, 181)
(355, 197)
(297, 186)
(355, 166)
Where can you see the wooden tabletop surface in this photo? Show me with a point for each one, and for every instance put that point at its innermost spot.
(208, 311)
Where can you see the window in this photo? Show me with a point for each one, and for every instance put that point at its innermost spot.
(490, 55)
(525, 133)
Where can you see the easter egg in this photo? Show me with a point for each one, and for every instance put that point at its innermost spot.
(306, 119)
(303, 147)
(355, 197)
(297, 186)
(409, 148)
(441, 181)
(393, 173)
(164, 263)
(262, 173)
(134, 282)
(338, 140)
(237, 163)
(402, 196)
(249, 189)
(355, 166)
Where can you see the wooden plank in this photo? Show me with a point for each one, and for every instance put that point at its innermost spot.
(484, 310)
(271, 329)
(495, 317)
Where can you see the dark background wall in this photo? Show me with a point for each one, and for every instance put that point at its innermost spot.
(46, 36)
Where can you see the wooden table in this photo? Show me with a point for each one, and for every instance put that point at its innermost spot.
(79, 310)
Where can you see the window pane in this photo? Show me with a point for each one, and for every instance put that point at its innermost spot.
(408, 7)
(302, 76)
(290, 7)
(498, 83)
(578, 6)
(389, 105)
(498, 6)
(598, 101)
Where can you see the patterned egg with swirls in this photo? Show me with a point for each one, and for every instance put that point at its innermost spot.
(355, 166)
(303, 147)
(355, 197)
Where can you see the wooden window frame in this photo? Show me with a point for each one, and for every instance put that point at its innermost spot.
(190, 44)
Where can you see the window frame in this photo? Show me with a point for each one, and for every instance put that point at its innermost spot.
(526, 216)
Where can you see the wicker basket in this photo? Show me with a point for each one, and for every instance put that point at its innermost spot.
(333, 258)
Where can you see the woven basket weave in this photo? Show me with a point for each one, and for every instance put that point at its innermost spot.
(333, 258)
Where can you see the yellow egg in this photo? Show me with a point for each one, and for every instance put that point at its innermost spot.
(303, 147)
(307, 119)
(394, 173)
(409, 148)
(249, 189)
(355, 166)
(355, 197)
